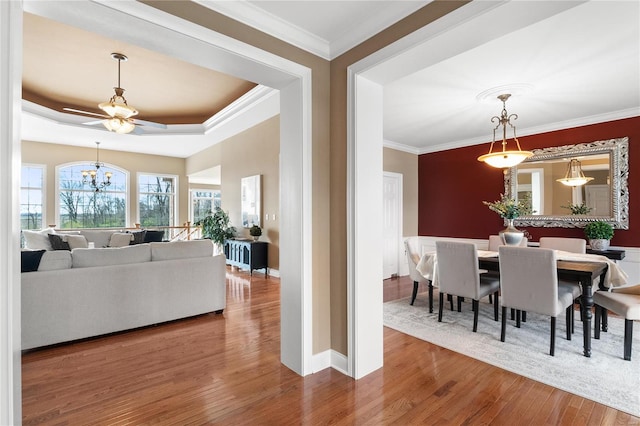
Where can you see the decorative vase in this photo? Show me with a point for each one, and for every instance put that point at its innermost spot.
(510, 235)
(599, 244)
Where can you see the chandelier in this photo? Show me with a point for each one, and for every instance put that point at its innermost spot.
(504, 158)
(574, 175)
(117, 107)
(91, 178)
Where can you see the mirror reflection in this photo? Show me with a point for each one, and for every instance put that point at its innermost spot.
(572, 185)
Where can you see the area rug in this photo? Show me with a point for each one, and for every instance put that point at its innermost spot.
(604, 378)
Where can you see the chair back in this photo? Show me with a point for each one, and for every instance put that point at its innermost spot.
(458, 272)
(572, 245)
(529, 280)
(413, 250)
(495, 241)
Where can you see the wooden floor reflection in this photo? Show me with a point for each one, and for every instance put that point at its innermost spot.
(225, 369)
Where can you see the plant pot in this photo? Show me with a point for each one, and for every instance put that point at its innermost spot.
(599, 244)
(510, 235)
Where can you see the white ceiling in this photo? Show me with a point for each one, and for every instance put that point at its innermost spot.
(579, 62)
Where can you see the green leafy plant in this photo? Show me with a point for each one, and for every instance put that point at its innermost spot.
(508, 208)
(217, 227)
(598, 231)
(255, 231)
(577, 209)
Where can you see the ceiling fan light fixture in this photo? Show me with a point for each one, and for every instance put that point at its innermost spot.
(505, 158)
(117, 106)
(118, 125)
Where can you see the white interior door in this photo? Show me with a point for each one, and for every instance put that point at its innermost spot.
(392, 223)
(597, 198)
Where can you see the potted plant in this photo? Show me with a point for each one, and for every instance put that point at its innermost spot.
(510, 209)
(578, 209)
(255, 231)
(599, 235)
(217, 227)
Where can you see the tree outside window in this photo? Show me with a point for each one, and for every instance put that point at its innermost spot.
(156, 200)
(82, 207)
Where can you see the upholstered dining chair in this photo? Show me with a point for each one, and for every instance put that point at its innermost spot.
(529, 282)
(623, 301)
(459, 275)
(413, 250)
(571, 245)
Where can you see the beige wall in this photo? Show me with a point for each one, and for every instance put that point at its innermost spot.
(52, 155)
(407, 165)
(255, 151)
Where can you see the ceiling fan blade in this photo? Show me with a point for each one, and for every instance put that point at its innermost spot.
(149, 123)
(85, 112)
(92, 123)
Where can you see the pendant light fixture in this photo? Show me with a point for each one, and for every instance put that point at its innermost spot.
(117, 107)
(574, 175)
(92, 177)
(505, 158)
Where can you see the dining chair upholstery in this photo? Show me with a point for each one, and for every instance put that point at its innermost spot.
(413, 250)
(495, 241)
(623, 301)
(459, 275)
(572, 245)
(529, 282)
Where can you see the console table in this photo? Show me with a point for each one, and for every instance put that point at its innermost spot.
(611, 254)
(247, 254)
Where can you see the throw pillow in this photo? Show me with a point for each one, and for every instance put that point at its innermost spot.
(153, 236)
(138, 236)
(58, 242)
(37, 240)
(77, 241)
(30, 260)
(120, 239)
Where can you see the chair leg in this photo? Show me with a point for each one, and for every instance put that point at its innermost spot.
(596, 329)
(628, 338)
(441, 299)
(503, 330)
(450, 299)
(430, 297)
(490, 299)
(605, 320)
(568, 319)
(459, 304)
(495, 307)
(518, 313)
(513, 314)
(573, 319)
(552, 349)
(476, 308)
(415, 292)
(524, 316)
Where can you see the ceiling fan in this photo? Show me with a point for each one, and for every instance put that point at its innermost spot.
(118, 115)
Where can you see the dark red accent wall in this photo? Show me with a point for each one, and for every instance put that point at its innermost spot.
(452, 185)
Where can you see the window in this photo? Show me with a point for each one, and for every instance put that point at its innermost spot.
(157, 200)
(80, 206)
(32, 197)
(204, 202)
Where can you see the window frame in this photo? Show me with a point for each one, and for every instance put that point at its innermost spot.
(43, 191)
(176, 194)
(191, 199)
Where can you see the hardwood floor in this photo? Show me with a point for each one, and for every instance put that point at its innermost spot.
(225, 369)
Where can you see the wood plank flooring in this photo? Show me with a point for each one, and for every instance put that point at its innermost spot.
(225, 370)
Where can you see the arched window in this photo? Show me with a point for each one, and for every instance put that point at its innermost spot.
(81, 205)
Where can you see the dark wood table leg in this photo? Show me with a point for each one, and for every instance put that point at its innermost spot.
(430, 297)
(587, 303)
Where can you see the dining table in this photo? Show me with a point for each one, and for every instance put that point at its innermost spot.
(582, 269)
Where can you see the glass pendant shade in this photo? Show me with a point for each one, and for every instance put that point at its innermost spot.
(574, 175)
(118, 125)
(113, 108)
(505, 158)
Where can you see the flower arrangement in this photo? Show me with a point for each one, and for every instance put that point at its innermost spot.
(508, 208)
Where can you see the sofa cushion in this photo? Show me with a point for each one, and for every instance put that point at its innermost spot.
(181, 250)
(30, 260)
(55, 260)
(37, 240)
(77, 241)
(58, 242)
(120, 239)
(86, 258)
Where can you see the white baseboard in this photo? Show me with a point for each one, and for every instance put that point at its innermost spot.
(329, 359)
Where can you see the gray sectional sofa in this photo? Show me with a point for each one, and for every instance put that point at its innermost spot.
(88, 292)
